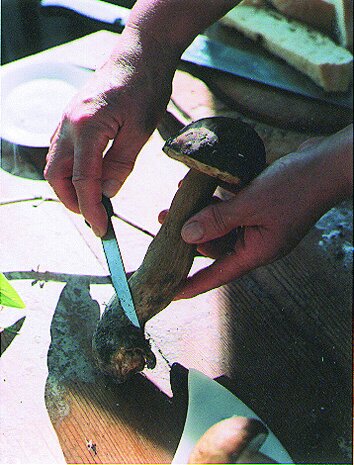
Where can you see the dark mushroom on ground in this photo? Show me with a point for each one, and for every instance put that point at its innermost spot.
(218, 150)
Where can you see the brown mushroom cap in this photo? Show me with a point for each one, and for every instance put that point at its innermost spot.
(221, 147)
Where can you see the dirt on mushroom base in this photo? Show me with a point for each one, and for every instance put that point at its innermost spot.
(336, 228)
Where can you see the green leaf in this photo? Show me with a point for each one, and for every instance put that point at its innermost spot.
(8, 295)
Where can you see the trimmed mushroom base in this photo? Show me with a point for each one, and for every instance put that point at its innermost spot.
(215, 146)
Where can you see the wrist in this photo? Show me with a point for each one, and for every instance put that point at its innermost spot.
(143, 42)
(334, 159)
(138, 53)
(324, 172)
(174, 24)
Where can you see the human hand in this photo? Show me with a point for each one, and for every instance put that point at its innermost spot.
(269, 217)
(122, 102)
(233, 440)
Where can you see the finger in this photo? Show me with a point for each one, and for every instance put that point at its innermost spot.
(212, 222)
(221, 272)
(87, 180)
(116, 169)
(213, 249)
(219, 247)
(66, 193)
(252, 249)
(58, 173)
(55, 133)
(162, 216)
(119, 160)
(310, 142)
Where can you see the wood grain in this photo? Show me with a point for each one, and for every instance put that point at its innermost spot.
(134, 422)
(290, 335)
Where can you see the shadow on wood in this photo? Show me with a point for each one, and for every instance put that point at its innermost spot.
(129, 423)
(289, 347)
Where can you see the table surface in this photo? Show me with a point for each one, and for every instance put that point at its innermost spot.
(280, 337)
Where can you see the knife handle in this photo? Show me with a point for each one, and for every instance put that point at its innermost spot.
(106, 201)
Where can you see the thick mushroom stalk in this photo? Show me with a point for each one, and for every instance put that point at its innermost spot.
(217, 149)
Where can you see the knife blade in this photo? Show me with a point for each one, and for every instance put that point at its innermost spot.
(116, 267)
(257, 65)
(208, 403)
(251, 62)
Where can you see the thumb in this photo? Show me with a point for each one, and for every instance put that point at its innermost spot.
(212, 222)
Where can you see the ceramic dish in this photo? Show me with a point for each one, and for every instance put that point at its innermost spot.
(33, 98)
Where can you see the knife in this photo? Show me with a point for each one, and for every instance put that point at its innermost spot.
(208, 403)
(116, 267)
(249, 62)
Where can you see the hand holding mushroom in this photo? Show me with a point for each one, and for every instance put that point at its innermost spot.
(275, 211)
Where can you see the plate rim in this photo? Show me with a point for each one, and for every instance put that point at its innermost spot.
(28, 72)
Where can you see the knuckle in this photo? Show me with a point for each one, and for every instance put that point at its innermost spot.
(47, 175)
(79, 179)
(217, 220)
(119, 165)
(80, 123)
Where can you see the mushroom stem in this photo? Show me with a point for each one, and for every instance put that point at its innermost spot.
(119, 348)
(168, 259)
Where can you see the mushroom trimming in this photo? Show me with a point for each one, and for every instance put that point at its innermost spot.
(217, 149)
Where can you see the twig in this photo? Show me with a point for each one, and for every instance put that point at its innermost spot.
(31, 199)
(56, 277)
(50, 199)
(134, 225)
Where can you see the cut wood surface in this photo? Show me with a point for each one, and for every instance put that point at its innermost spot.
(279, 337)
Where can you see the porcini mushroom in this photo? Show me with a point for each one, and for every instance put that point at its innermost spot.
(229, 440)
(218, 149)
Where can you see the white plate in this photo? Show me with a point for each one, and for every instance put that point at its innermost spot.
(33, 98)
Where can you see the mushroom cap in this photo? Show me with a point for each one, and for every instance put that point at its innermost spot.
(225, 148)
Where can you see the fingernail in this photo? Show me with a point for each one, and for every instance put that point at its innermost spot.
(110, 188)
(192, 232)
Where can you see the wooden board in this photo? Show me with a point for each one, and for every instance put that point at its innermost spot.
(69, 291)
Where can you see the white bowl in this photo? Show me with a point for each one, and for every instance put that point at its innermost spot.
(33, 98)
